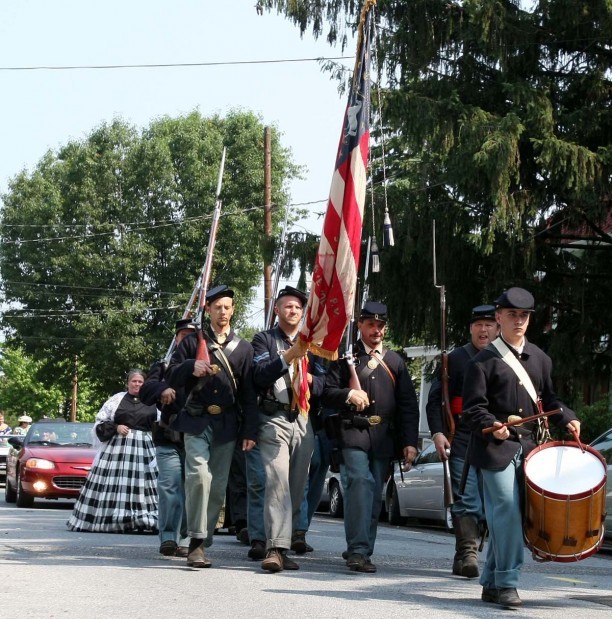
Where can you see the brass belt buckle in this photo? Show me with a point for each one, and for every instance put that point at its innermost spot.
(213, 409)
(374, 420)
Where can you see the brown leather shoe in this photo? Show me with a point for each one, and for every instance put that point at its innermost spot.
(289, 564)
(367, 567)
(196, 556)
(273, 561)
(354, 560)
(360, 563)
(181, 551)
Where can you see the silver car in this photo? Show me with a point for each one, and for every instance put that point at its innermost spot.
(419, 492)
(332, 497)
(603, 444)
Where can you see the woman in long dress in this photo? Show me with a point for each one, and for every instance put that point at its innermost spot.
(120, 493)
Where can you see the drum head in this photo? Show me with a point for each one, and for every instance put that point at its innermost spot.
(564, 469)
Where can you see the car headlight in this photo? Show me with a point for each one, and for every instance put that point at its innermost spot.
(38, 463)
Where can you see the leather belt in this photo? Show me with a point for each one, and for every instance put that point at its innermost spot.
(361, 422)
(271, 407)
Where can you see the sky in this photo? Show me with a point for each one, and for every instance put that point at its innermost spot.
(44, 109)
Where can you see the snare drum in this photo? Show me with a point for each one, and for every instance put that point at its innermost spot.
(565, 494)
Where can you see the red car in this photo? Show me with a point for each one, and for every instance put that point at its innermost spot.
(51, 462)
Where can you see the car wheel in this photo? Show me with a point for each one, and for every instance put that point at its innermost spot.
(23, 499)
(336, 502)
(393, 508)
(10, 496)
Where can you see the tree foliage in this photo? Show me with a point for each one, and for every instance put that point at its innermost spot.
(103, 241)
(25, 393)
(497, 124)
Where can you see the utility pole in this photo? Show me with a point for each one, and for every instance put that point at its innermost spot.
(267, 217)
(75, 381)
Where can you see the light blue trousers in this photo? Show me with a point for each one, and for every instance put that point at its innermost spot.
(256, 489)
(363, 476)
(319, 463)
(505, 550)
(470, 503)
(172, 519)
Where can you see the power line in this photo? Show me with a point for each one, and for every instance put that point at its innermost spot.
(170, 65)
(127, 293)
(120, 228)
(52, 313)
(167, 221)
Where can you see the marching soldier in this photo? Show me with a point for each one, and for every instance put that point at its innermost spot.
(511, 376)
(170, 452)
(286, 439)
(221, 406)
(467, 510)
(382, 413)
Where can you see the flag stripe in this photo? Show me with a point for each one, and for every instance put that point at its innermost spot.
(332, 295)
(334, 278)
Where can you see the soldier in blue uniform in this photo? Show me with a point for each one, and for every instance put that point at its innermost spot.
(286, 438)
(381, 414)
(170, 452)
(221, 407)
(467, 510)
(493, 390)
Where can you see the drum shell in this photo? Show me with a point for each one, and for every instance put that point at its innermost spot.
(564, 527)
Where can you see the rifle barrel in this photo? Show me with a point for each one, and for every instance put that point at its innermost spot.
(278, 263)
(202, 349)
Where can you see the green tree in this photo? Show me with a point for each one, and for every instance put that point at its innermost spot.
(103, 241)
(25, 391)
(498, 125)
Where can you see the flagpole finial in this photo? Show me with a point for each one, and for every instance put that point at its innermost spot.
(375, 256)
(388, 240)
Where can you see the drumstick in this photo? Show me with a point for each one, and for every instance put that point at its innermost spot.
(575, 435)
(518, 422)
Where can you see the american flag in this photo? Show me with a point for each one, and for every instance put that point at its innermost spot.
(334, 278)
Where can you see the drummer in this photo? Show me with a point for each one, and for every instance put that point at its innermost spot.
(501, 381)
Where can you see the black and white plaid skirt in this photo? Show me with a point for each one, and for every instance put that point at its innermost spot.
(120, 493)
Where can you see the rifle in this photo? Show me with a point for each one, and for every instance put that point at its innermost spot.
(447, 415)
(186, 314)
(278, 263)
(202, 348)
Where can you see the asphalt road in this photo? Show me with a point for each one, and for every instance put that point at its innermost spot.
(49, 572)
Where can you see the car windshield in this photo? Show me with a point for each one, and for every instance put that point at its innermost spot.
(603, 444)
(4, 444)
(60, 434)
